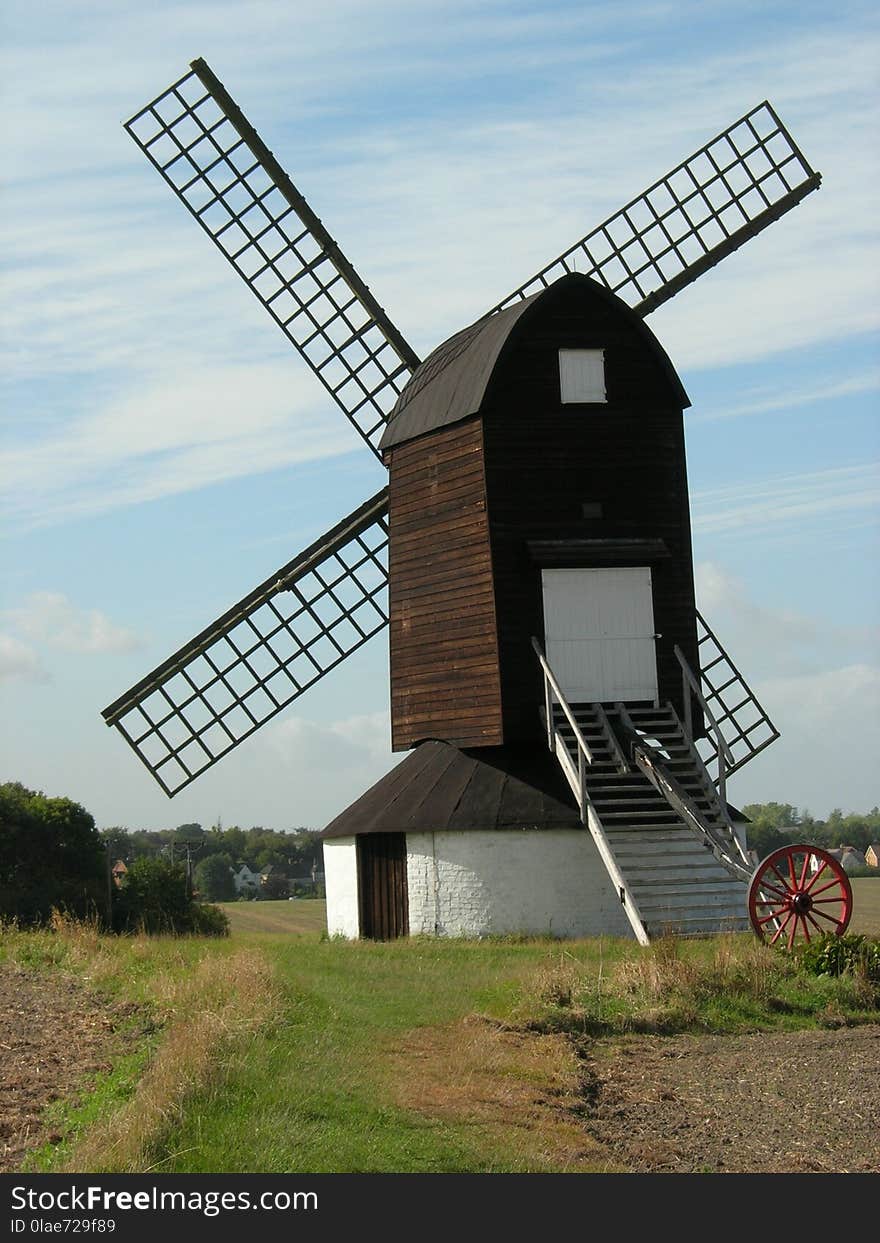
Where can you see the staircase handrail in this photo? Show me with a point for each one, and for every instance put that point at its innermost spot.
(577, 779)
(651, 764)
(550, 684)
(616, 749)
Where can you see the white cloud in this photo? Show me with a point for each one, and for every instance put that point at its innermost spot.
(49, 617)
(820, 685)
(826, 757)
(18, 660)
(442, 210)
(170, 436)
(770, 504)
(767, 640)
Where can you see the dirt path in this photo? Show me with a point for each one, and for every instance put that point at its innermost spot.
(53, 1036)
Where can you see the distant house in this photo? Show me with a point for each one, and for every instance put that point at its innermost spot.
(849, 858)
(246, 881)
(118, 871)
(872, 855)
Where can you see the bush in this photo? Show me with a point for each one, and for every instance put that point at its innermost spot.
(210, 921)
(832, 955)
(154, 897)
(51, 858)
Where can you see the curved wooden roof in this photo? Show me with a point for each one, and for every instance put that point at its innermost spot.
(451, 383)
(439, 787)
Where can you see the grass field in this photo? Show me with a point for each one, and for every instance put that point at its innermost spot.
(306, 916)
(302, 917)
(866, 905)
(277, 1049)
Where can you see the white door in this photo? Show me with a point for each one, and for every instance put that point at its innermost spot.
(599, 633)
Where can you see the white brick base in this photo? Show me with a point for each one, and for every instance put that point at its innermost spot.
(479, 883)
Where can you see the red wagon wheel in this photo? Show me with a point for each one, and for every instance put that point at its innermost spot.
(796, 889)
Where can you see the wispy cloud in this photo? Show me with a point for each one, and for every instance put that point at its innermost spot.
(49, 617)
(173, 435)
(442, 206)
(768, 401)
(19, 660)
(770, 504)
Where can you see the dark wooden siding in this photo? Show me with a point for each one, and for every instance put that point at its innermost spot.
(546, 461)
(445, 680)
(382, 886)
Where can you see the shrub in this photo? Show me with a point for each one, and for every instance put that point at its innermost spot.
(51, 857)
(154, 898)
(210, 921)
(832, 955)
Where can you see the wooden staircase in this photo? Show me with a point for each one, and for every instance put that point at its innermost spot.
(673, 883)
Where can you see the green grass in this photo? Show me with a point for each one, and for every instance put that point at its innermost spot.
(300, 917)
(315, 1094)
(317, 1086)
(866, 905)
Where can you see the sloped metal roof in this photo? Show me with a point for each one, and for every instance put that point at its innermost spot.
(451, 383)
(441, 787)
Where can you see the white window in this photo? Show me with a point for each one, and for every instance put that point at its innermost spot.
(582, 375)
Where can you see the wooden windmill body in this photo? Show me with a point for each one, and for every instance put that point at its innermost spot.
(532, 553)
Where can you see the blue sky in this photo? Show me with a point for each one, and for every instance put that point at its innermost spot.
(165, 449)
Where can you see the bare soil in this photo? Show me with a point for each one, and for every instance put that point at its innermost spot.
(55, 1036)
(771, 1102)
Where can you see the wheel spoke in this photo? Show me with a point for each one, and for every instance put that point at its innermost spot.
(794, 883)
(806, 929)
(819, 872)
(781, 877)
(765, 919)
(793, 933)
(807, 858)
(818, 927)
(830, 885)
(781, 928)
(783, 893)
(825, 915)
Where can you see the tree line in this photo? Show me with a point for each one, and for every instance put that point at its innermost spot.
(53, 859)
(777, 824)
(214, 853)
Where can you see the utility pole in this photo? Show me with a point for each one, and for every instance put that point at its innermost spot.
(109, 889)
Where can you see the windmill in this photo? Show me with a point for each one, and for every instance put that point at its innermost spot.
(489, 644)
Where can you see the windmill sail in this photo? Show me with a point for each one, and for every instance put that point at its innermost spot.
(262, 653)
(702, 210)
(319, 608)
(218, 166)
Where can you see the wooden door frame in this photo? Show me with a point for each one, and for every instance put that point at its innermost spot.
(382, 917)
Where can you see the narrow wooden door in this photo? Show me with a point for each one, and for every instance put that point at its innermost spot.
(382, 888)
(599, 633)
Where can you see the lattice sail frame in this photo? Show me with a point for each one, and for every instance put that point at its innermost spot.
(215, 162)
(263, 653)
(742, 720)
(266, 650)
(689, 220)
